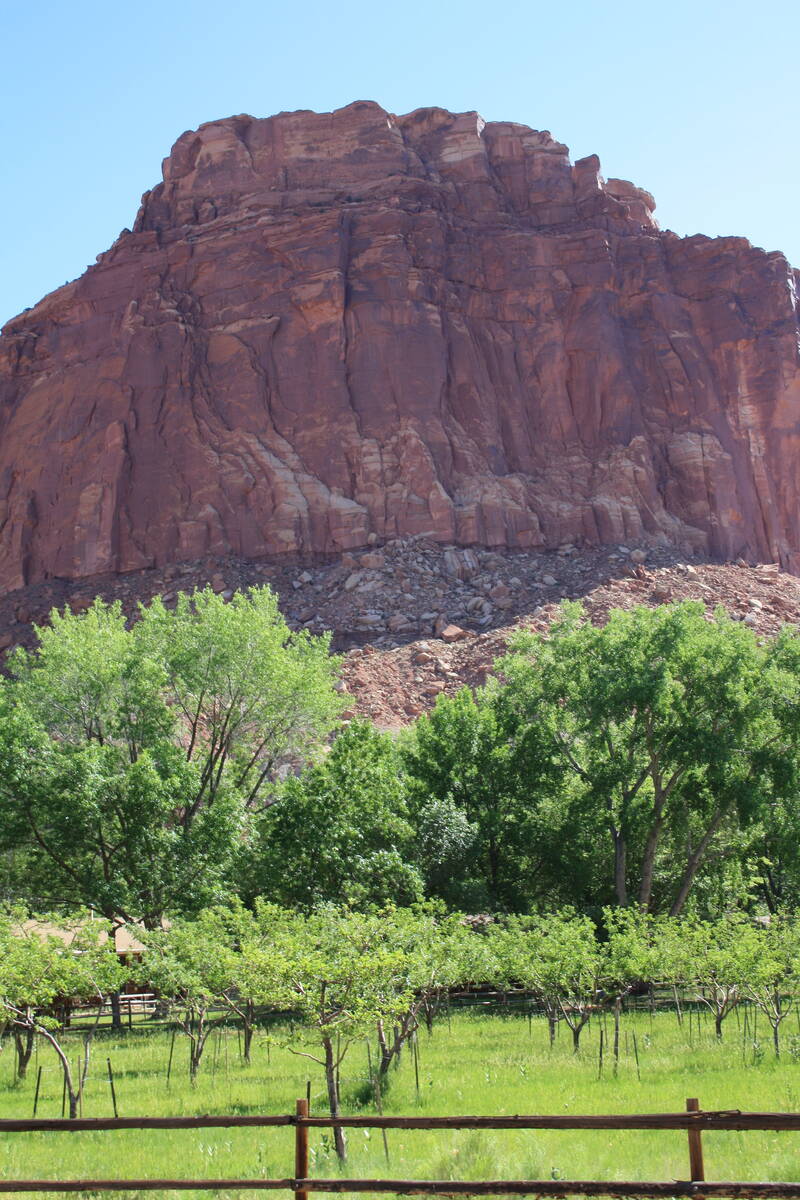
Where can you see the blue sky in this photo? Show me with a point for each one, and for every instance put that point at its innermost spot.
(696, 101)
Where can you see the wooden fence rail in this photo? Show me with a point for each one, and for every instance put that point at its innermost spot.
(724, 1119)
(694, 1121)
(414, 1187)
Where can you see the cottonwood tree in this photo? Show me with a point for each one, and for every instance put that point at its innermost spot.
(340, 831)
(780, 818)
(90, 774)
(666, 727)
(132, 758)
(251, 694)
(460, 757)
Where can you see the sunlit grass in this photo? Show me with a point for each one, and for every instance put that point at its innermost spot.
(477, 1063)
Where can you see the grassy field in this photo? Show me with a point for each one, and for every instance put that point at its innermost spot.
(475, 1063)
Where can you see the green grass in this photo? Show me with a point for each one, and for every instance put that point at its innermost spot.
(481, 1063)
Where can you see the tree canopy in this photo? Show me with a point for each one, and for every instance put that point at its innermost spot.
(670, 733)
(340, 831)
(132, 758)
(196, 755)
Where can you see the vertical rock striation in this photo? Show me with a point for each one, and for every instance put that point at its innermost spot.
(326, 329)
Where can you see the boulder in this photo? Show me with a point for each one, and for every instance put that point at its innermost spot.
(453, 633)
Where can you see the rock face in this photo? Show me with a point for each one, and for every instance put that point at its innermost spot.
(329, 330)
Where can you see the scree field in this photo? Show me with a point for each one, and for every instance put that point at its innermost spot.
(475, 1063)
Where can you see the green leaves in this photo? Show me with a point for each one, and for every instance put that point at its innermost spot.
(460, 759)
(132, 758)
(198, 959)
(556, 955)
(338, 970)
(667, 728)
(42, 959)
(87, 681)
(250, 693)
(340, 831)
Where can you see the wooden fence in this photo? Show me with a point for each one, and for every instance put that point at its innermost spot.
(694, 1121)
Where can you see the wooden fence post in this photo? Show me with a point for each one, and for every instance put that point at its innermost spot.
(301, 1149)
(113, 1089)
(696, 1171)
(38, 1085)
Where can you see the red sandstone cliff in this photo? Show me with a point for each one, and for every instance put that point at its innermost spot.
(327, 329)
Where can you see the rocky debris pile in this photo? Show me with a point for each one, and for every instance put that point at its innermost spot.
(413, 587)
(406, 589)
(392, 687)
(416, 619)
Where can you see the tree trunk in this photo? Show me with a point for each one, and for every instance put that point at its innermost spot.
(386, 1053)
(247, 1013)
(620, 867)
(494, 870)
(197, 1040)
(694, 864)
(24, 1047)
(617, 1011)
(649, 863)
(401, 1034)
(198, 1046)
(73, 1095)
(719, 1017)
(333, 1097)
(116, 1011)
(576, 1038)
(678, 1009)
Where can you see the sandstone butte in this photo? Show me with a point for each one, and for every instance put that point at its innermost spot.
(328, 330)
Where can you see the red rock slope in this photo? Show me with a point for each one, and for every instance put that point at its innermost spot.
(327, 330)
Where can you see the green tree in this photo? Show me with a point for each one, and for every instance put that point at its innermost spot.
(444, 844)
(38, 969)
(92, 780)
(779, 831)
(628, 957)
(251, 694)
(439, 951)
(197, 966)
(460, 761)
(132, 759)
(713, 958)
(340, 831)
(665, 726)
(770, 957)
(556, 956)
(339, 972)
